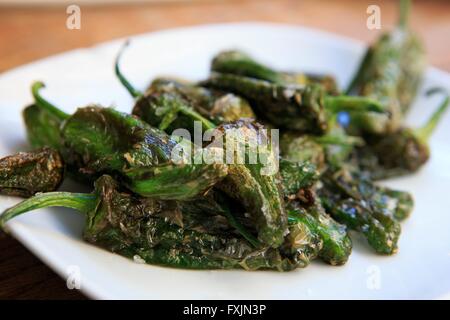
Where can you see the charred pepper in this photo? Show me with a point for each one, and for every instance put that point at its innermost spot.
(401, 152)
(390, 73)
(138, 228)
(25, 173)
(302, 108)
(171, 104)
(239, 63)
(357, 203)
(98, 140)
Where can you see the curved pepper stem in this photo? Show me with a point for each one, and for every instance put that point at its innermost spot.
(82, 202)
(337, 104)
(41, 102)
(424, 133)
(133, 91)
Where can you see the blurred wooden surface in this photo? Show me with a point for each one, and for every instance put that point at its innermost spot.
(27, 34)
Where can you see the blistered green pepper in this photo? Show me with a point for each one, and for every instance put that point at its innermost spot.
(390, 73)
(215, 105)
(25, 173)
(297, 176)
(361, 206)
(327, 151)
(98, 140)
(171, 104)
(401, 152)
(294, 107)
(336, 244)
(303, 205)
(239, 63)
(139, 228)
(255, 184)
(258, 193)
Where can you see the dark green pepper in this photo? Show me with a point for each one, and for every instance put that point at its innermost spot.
(215, 105)
(327, 151)
(98, 140)
(171, 104)
(258, 193)
(401, 152)
(297, 176)
(336, 244)
(239, 63)
(357, 203)
(390, 73)
(303, 205)
(255, 185)
(294, 107)
(25, 173)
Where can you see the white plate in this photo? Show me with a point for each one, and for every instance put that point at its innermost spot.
(419, 270)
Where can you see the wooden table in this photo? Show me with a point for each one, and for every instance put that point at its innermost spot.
(27, 34)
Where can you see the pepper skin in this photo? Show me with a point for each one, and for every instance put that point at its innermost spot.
(26, 173)
(301, 108)
(239, 63)
(138, 228)
(97, 140)
(390, 73)
(402, 152)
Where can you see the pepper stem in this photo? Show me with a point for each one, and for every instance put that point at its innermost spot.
(83, 202)
(41, 102)
(426, 130)
(337, 104)
(133, 92)
(404, 13)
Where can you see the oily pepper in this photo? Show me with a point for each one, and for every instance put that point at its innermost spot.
(240, 63)
(361, 206)
(25, 173)
(401, 152)
(170, 104)
(97, 140)
(295, 107)
(390, 73)
(138, 228)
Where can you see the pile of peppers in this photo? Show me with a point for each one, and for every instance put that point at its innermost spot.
(182, 213)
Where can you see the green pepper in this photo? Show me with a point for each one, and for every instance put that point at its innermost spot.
(43, 127)
(215, 105)
(255, 185)
(25, 173)
(297, 176)
(98, 140)
(327, 151)
(303, 206)
(239, 63)
(138, 228)
(171, 104)
(403, 151)
(257, 192)
(301, 108)
(357, 203)
(390, 73)
(336, 244)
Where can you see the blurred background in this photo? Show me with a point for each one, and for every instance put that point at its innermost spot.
(34, 29)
